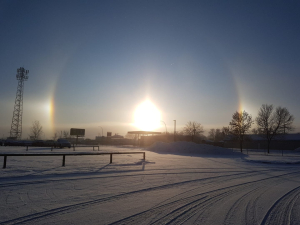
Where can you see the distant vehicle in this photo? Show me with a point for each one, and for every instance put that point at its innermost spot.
(38, 143)
(50, 143)
(61, 143)
(25, 143)
(11, 142)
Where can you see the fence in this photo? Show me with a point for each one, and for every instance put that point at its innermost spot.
(69, 154)
(93, 146)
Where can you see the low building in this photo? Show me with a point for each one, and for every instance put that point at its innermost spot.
(117, 136)
(252, 141)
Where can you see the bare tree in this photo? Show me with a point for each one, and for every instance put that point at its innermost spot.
(240, 124)
(219, 135)
(215, 135)
(66, 134)
(212, 134)
(225, 131)
(55, 136)
(61, 134)
(287, 120)
(271, 123)
(36, 130)
(193, 129)
(255, 131)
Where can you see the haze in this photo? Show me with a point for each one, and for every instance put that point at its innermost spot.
(92, 63)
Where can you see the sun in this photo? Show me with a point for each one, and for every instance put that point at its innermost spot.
(147, 117)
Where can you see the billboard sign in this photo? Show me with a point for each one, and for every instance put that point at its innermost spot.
(77, 132)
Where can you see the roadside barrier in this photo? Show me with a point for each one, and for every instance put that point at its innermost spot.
(93, 146)
(70, 154)
(80, 146)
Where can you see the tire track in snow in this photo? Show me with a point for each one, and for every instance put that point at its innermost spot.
(108, 175)
(200, 208)
(179, 211)
(83, 177)
(78, 206)
(281, 210)
(208, 182)
(250, 213)
(249, 199)
(188, 204)
(183, 213)
(230, 216)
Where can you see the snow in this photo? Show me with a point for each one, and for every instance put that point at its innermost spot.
(178, 183)
(183, 147)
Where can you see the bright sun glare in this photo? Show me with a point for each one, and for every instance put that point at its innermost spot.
(147, 117)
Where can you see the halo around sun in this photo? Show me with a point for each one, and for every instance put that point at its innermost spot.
(147, 117)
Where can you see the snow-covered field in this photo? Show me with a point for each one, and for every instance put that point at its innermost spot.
(178, 183)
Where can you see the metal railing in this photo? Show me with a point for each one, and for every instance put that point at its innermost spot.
(52, 147)
(69, 154)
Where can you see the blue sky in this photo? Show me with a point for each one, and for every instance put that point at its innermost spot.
(92, 63)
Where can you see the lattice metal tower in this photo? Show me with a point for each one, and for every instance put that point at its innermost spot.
(16, 124)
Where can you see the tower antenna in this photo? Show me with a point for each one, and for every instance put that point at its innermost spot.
(16, 124)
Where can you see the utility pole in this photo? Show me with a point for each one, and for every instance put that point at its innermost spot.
(16, 124)
(174, 130)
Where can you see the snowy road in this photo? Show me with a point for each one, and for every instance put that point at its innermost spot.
(166, 189)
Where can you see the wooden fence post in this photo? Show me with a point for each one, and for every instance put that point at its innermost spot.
(110, 157)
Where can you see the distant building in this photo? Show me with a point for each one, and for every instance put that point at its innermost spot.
(116, 136)
(99, 138)
(253, 141)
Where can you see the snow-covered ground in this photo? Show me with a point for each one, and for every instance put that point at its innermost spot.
(178, 183)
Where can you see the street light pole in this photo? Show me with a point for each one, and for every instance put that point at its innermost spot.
(165, 126)
(174, 130)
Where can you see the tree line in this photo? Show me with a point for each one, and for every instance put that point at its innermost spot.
(36, 132)
(270, 123)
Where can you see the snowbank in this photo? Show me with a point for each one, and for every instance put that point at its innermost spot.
(183, 147)
(190, 148)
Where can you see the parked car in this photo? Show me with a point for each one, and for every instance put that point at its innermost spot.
(11, 142)
(25, 143)
(61, 143)
(50, 143)
(38, 143)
